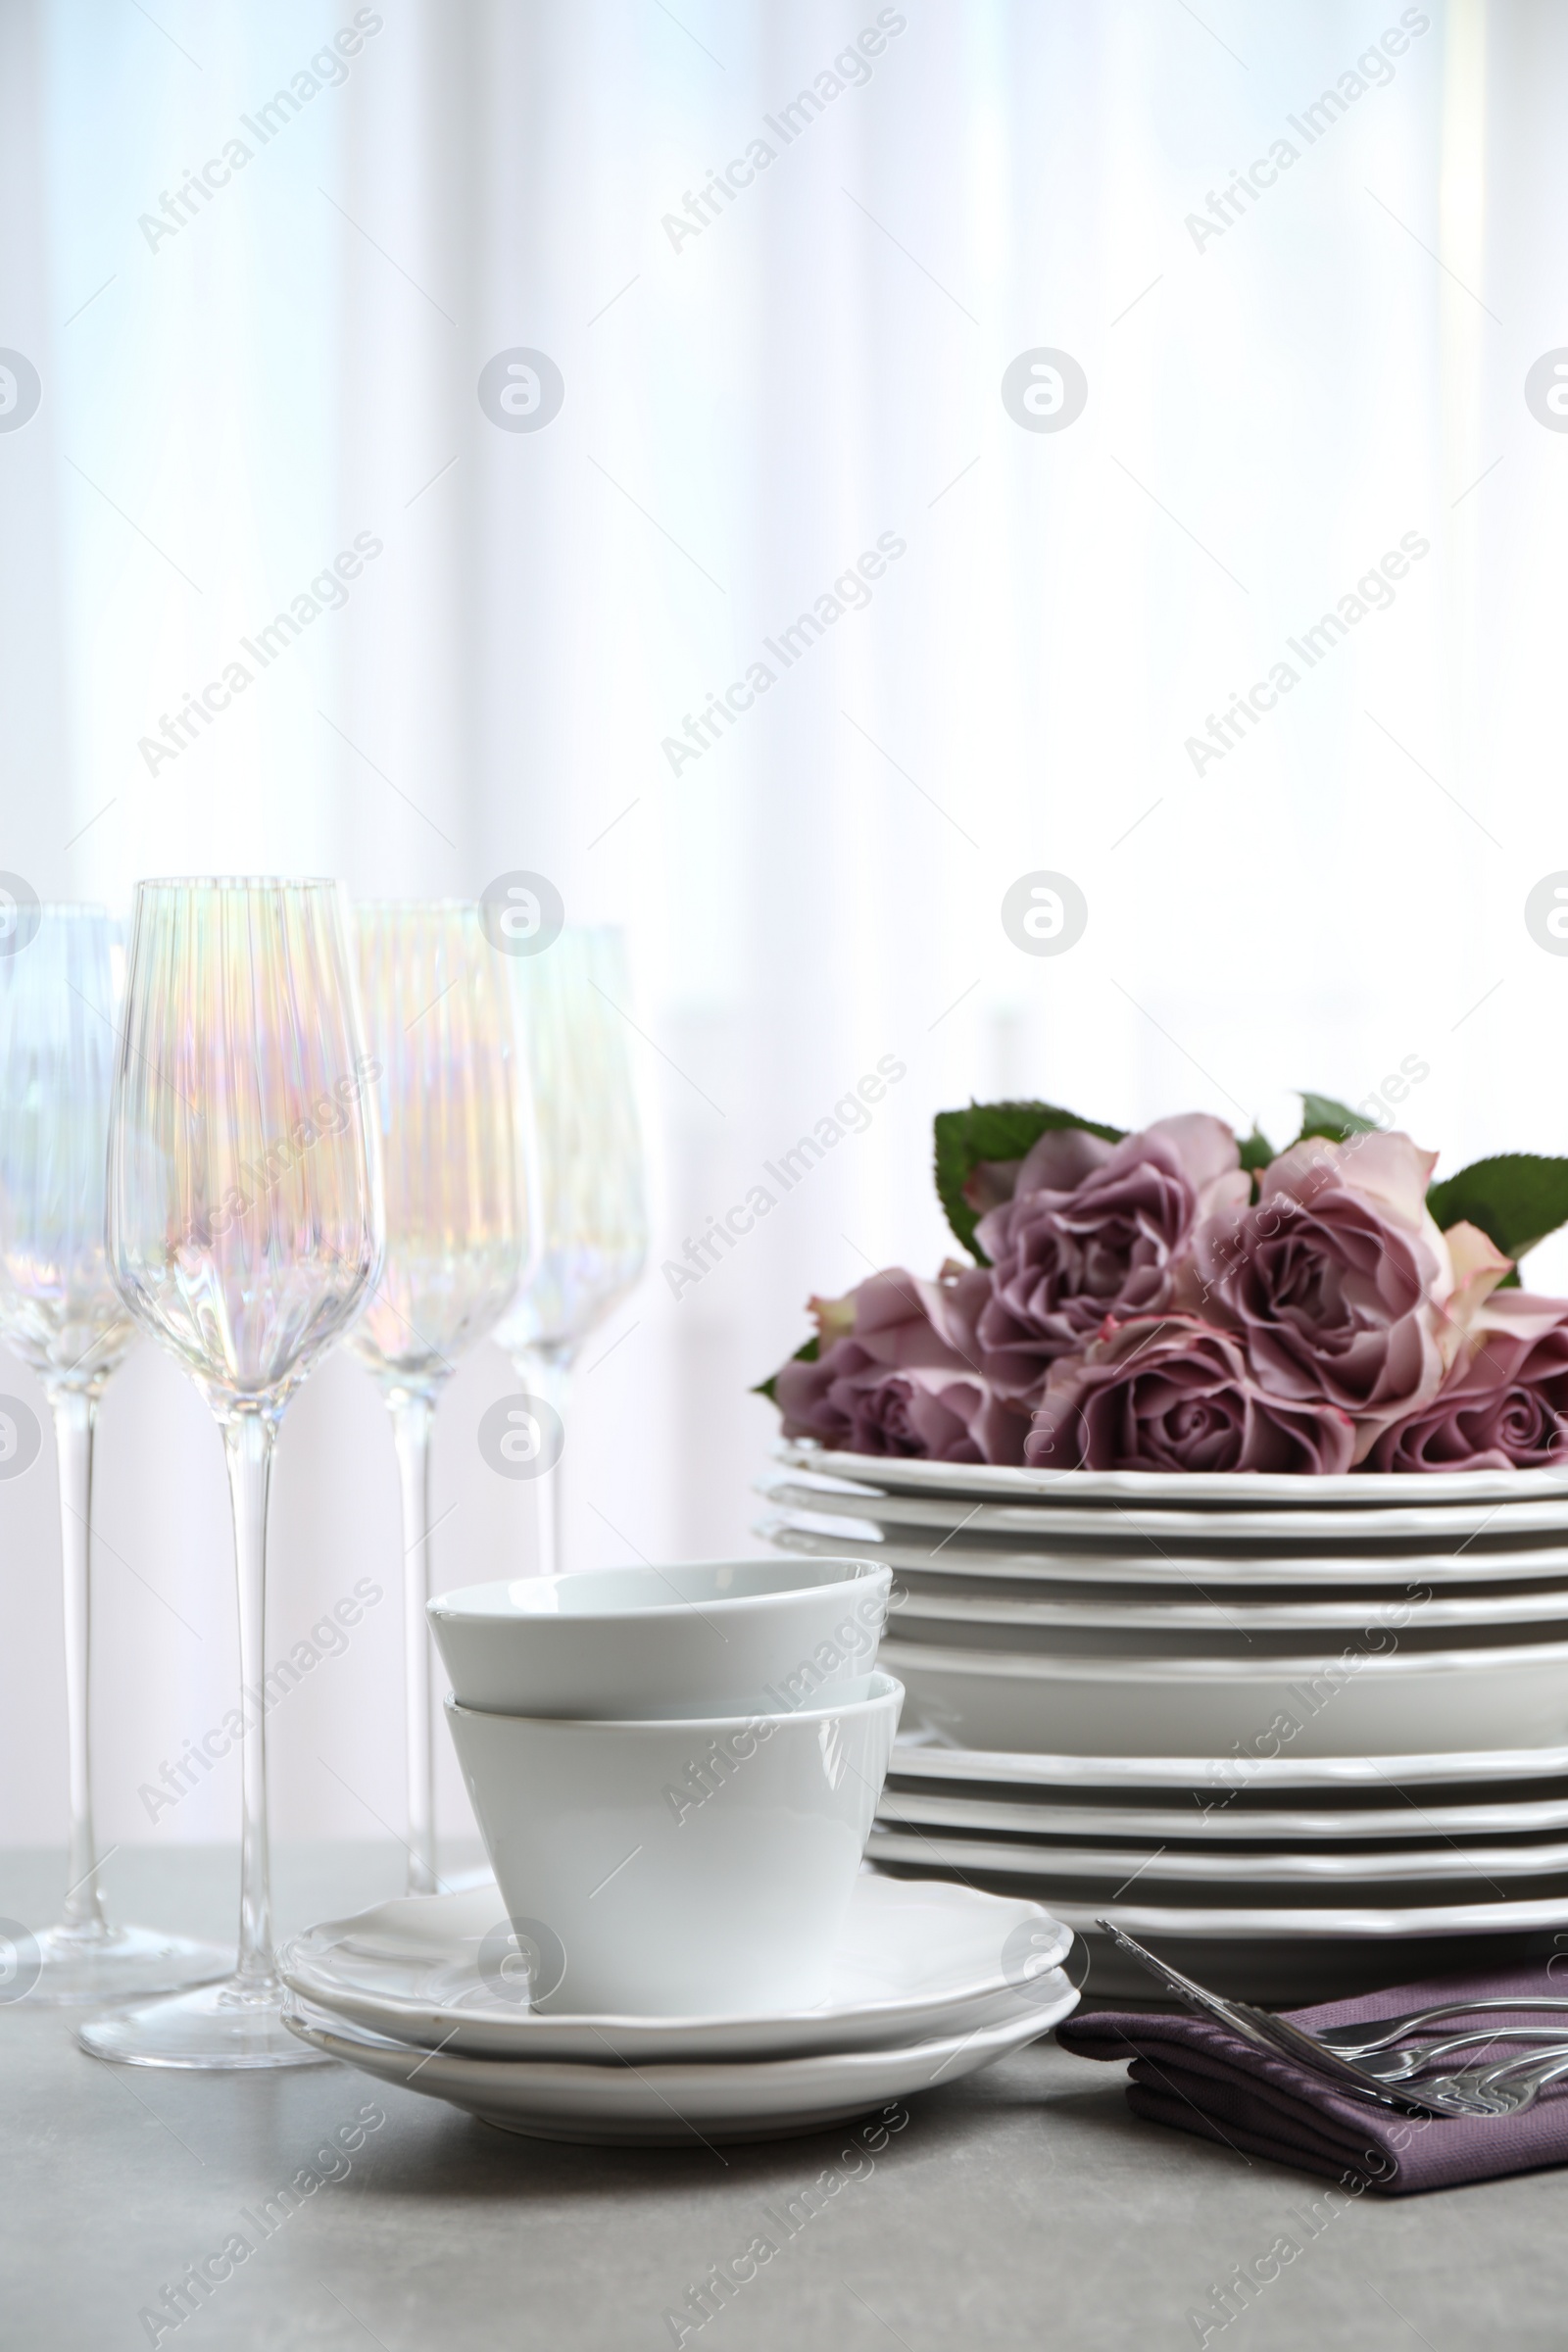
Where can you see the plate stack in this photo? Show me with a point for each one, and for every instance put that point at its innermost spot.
(930, 1982)
(1304, 1734)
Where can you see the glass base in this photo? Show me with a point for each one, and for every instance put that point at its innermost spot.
(99, 1964)
(230, 2026)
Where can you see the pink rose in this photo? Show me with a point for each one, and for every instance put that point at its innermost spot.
(1092, 1229)
(1169, 1393)
(1339, 1282)
(1504, 1404)
(888, 1379)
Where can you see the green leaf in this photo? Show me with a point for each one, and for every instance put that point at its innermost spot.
(1322, 1116)
(1516, 1198)
(802, 1355)
(1256, 1151)
(992, 1131)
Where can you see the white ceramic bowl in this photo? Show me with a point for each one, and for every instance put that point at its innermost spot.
(705, 1638)
(677, 1869)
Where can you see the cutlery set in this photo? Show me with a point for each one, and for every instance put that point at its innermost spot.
(1373, 2066)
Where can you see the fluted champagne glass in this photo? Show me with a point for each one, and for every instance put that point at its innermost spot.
(571, 1001)
(61, 993)
(438, 1022)
(245, 1234)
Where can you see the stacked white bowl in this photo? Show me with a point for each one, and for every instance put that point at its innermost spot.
(1285, 1727)
(643, 1748)
(675, 1771)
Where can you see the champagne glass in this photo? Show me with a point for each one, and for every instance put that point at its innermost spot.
(61, 990)
(244, 1233)
(593, 1214)
(438, 1022)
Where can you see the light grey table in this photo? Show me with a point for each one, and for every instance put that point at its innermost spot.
(1024, 2208)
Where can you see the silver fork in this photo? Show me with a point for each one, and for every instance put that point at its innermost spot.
(1478, 2091)
(1378, 2033)
(1400, 2065)
(1492, 2090)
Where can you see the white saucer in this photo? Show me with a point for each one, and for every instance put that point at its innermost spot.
(679, 2106)
(1214, 1820)
(1207, 1775)
(1259, 1567)
(917, 1960)
(1009, 1849)
(902, 1474)
(1534, 1513)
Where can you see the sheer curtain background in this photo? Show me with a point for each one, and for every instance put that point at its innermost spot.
(748, 408)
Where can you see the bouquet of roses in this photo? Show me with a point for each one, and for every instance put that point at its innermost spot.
(1180, 1299)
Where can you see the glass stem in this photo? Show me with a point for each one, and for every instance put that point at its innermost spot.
(74, 1413)
(413, 1415)
(248, 1439)
(550, 1377)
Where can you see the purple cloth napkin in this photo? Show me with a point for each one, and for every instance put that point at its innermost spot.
(1191, 2073)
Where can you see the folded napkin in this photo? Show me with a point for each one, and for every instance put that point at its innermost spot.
(1191, 2073)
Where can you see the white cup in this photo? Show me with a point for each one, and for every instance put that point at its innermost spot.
(705, 1638)
(677, 1869)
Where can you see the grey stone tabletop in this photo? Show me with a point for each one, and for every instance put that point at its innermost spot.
(1024, 2207)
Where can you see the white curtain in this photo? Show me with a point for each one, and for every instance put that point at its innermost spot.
(251, 363)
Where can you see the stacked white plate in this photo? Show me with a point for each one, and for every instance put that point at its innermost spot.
(931, 1983)
(1275, 1724)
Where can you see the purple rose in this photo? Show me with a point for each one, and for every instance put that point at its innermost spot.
(888, 1379)
(854, 1406)
(1092, 1229)
(1339, 1282)
(1504, 1404)
(1169, 1393)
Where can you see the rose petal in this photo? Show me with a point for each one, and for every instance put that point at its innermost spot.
(1504, 1404)
(1478, 1265)
(893, 1383)
(1112, 1242)
(1335, 1293)
(1170, 1393)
